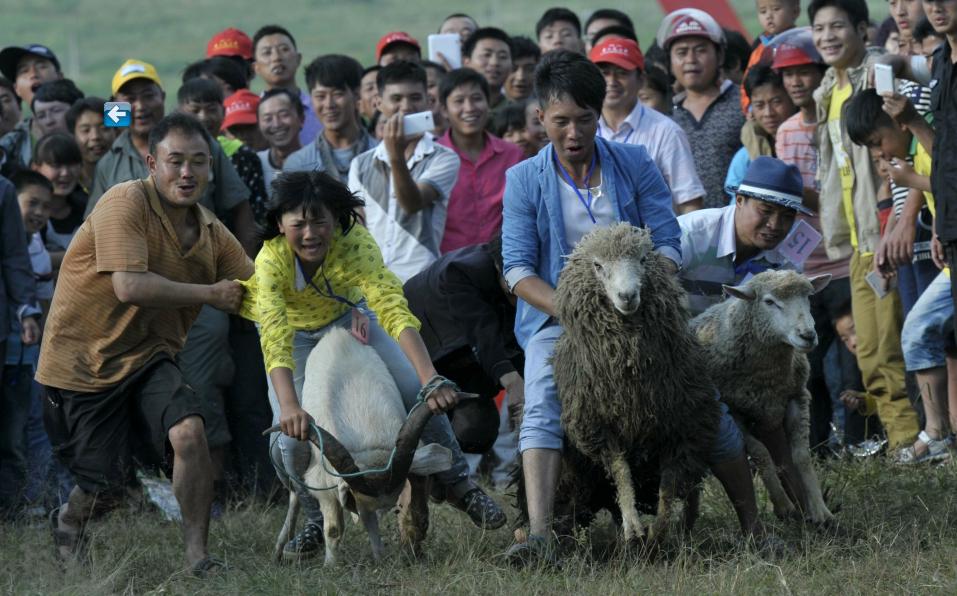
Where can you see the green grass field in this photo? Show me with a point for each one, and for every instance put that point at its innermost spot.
(93, 37)
(898, 535)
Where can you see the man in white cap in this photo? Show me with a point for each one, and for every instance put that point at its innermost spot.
(708, 108)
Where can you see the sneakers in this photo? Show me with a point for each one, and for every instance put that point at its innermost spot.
(481, 509)
(937, 450)
(306, 544)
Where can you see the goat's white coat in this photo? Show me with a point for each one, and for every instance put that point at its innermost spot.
(350, 393)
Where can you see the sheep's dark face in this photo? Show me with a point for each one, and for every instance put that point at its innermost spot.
(621, 278)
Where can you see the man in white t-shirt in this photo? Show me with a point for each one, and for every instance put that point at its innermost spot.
(405, 181)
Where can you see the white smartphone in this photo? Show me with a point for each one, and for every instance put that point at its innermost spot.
(449, 45)
(884, 78)
(418, 123)
(882, 286)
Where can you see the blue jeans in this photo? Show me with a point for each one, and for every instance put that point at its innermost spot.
(541, 422)
(296, 455)
(928, 328)
(912, 280)
(17, 381)
(47, 479)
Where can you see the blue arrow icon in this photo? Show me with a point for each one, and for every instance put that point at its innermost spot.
(117, 114)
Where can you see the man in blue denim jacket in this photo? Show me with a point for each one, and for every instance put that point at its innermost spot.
(575, 184)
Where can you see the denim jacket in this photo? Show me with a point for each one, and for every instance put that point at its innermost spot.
(533, 231)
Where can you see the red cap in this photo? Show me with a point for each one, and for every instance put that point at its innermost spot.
(620, 52)
(395, 37)
(240, 108)
(788, 55)
(230, 42)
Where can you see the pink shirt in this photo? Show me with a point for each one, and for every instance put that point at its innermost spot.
(475, 205)
(794, 144)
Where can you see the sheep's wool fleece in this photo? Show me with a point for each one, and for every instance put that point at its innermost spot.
(632, 383)
(756, 374)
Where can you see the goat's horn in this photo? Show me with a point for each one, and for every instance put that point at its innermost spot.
(389, 480)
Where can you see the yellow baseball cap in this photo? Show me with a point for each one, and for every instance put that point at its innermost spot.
(134, 69)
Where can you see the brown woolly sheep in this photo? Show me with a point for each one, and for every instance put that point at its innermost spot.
(628, 373)
(757, 343)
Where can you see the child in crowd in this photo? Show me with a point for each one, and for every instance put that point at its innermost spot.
(240, 122)
(202, 98)
(775, 17)
(887, 140)
(84, 120)
(474, 213)
(861, 422)
(924, 336)
(655, 90)
(509, 124)
(926, 40)
(34, 197)
(57, 156)
(770, 107)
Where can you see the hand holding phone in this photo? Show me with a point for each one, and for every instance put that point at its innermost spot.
(884, 78)
(416, 124)
(446, 47)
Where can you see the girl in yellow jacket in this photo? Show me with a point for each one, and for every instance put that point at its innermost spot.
(317, 270)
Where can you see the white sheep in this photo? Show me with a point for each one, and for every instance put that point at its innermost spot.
(358, 410)
(757, 343)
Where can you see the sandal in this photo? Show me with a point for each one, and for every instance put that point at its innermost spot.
(937, 450)
(76, 542)
(208, 567)
(481, 509)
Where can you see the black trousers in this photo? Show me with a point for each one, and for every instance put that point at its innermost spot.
(826, 305)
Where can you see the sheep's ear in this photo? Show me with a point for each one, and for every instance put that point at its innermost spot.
(819, 282)
(742, 292)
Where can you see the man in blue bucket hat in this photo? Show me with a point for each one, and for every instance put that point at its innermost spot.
(728, 245)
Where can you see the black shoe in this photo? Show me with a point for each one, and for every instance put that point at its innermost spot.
(481, 509)
(306, 544)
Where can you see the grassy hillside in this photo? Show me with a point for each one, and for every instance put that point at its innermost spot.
(93, 37)
(895, 535)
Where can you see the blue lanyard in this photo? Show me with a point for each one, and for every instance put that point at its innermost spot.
(613, 133)
(329, 293)
(568, 179)
(750, 266)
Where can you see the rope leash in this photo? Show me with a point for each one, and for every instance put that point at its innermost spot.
(433, 384)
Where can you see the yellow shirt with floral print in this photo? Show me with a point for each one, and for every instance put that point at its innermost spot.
(355, 270)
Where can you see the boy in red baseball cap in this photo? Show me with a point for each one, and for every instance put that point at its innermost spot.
(240, 121)
(395, 46)
(235, 45)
